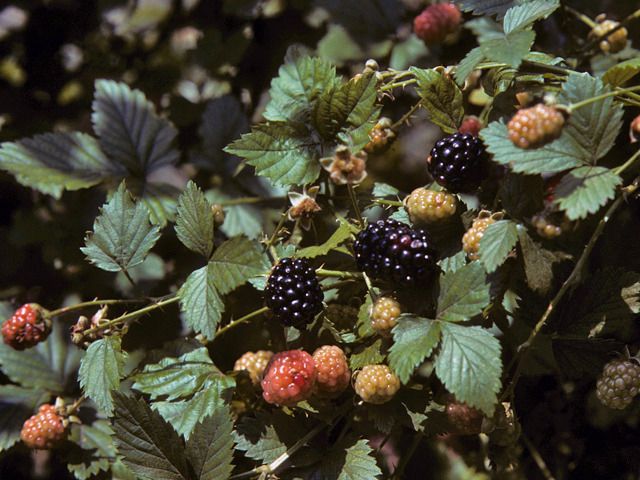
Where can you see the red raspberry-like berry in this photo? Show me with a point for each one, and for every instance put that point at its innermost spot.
(619, 383)
(26, 328)
(43, 430)
(471, 125)
(634, 130)
(384, 314)
(436, 22)
(289, 378)
(332, 370)
(613, 42)
(254, 363)
(428, 206)
(464, 419)
(376, 384)
(535, 126)
(471, 238)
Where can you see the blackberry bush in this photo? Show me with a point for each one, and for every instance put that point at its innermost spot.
(189, 188)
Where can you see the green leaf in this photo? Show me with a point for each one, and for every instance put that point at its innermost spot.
(299, 83)
(463, 293)
(342, 233)
(359, 464)
(350, 106)
(369, 355)
(48, 366)
(363, 327)
(150, 447)
(200, 302)
(54, 162)
(454, 262)
(414, 338)
(281, 152)
(510, 49)
(16, 405)
(383, 190)
(593, 127)
(194, 222)
(97, 449)
(496, 244)
(470, 366)
(585, 189)
(538, 263)
(129, 129)
(265, 437)
(122, 234)
(523, 16)
(184, 415)
(236, 261)
(622, 72)
(556, 156)
(176, 377)
(100, 372)
(210, 448)
(468, 64)
(441, 97)
(162, 200)
(238, 219)
(486, 7)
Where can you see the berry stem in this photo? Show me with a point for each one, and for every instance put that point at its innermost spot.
(391, 86)
(392, 203)
(243, 319)
(602, 96)
(525, 348)
(321, 272)
(354, 202)
(404, 460)
(97, 302)
(338, 284)
(274, 235)
(131, 316)
(627, 164)
(249, 200)
(581, 16)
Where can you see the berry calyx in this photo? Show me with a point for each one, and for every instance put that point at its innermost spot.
(381, 136)
(384, 315)
(26, 328)
(44, 430)
(376, 384)
(427, 206)
(619, 383)
(289, 378)
(332, 370)
(392, 251)
(293, 292)
(436, 22)
(470, 125)
(254, 364)
(458, 162)
(615, 41)
(535, 126)
(464, 419)
(471, 238)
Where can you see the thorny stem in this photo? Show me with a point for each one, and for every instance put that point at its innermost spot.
(581, 16)
(525, 348)
(537, 458)
(404, 461)
(274, 235)
(406, 116)
(243, 319)
(96, 302)
(627, 164)
(392, 203)
(597, 98)
(338, 284)
(391, 86)
(354, 202)
(278, 462)
(130, 316)
(249, 200)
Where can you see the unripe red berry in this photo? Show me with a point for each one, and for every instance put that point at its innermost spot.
(26, 328)
(436, 22)
(332, 370)
(289, 378)
(43, 430)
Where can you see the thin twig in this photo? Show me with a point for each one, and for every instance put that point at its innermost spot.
(406, 116)
(537, 458)
(354, 202)
(92, 303)
(404, 461)
(240, 320)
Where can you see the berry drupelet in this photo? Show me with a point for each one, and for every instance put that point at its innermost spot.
(254, 364)
(332, 370)
(535, 126)
(26, 328)
(44, 430)
(619, 383)
(384, 315)
(392, 251)
(293, 292)
(376, 384)
(428, 206)
(289, 378)
(458, 162)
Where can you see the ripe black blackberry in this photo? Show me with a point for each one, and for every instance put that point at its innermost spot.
(392, 251)
(458, 162)
(619, 383)
(293, 293)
